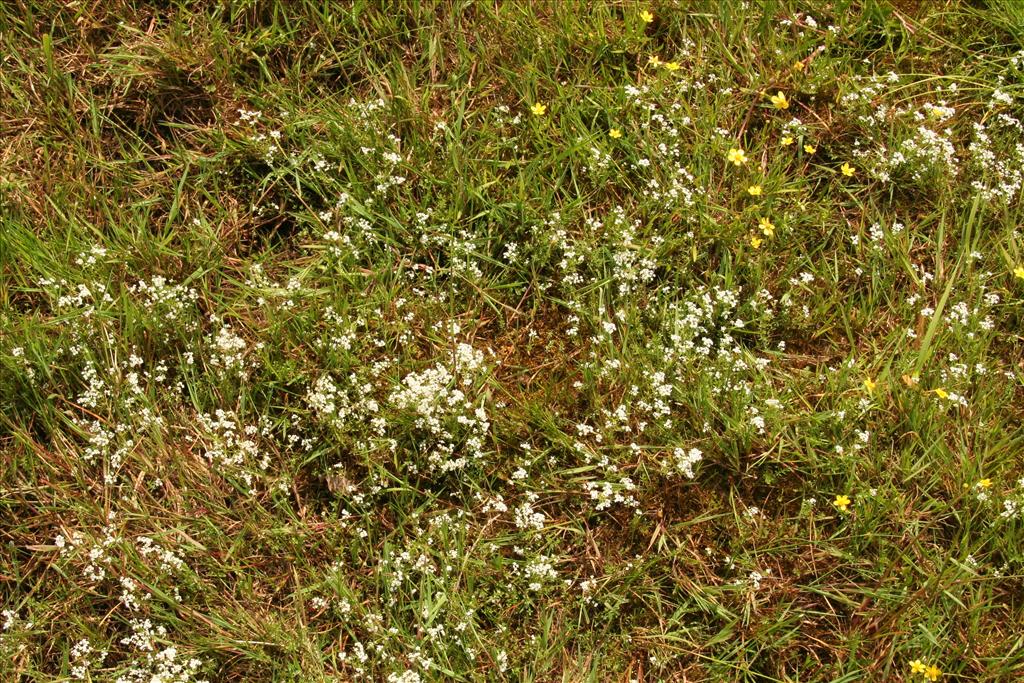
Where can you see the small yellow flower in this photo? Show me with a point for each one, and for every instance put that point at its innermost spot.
(786, 140)
(918, 667)
(870, 385)
(941, 393)
(985, 483)
(646, 17)
(842, 502)
(799, 65)
(780, 101)
(847, 170)
(615, 133)
(672, 66)
(810, 149)
(539, 109)
(737, 156)
(755, 241)
(767, 227)
(932, 673)
(654, 60)
(1018, 272)
(754, 190)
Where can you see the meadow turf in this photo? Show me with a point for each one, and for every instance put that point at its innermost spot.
(511, 341)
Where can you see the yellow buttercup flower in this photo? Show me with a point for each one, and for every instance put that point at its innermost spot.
(918, 667)
(870, 385)
(985, 483)
(646, 17)
(1019, 272)
(736, 156)
(941, 393)
(654, 60)
(672, 66)
(754, 190)
(767, 227)
(932, 673)
(799, 65)
(786, 141)
(755, 242)
(810, 149)
(842, 502)
(847, 170)
(615, 133)
(780, 101)
(538, 109)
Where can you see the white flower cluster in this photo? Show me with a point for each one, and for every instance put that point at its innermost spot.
(926, 151)
(93, 555)
(168, 560)
(683, 460)
(84, 657)
(1013, 505)
(167, 303)
(526, 517)
(600, 161)
(461, 247)
(227, 351)
(1000, 174)
(82, 299)
(341, 406)
(700, 325)
(604, 245)
(633, 265)
(233, 448)
(455, 421)
(995, 155)
(155, 664)
(666, 176)
(538, 571)
(605, 494)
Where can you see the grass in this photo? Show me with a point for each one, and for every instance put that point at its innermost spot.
(326, 355)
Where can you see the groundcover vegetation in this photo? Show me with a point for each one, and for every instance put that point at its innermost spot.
(526, 341)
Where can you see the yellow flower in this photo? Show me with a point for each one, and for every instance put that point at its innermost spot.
(842, 502)
(786, 140)
(985, 483)
(646, 17)
(932, 673)
(654, 60)
(737, 157)
(799, 65)
(810, 149)
(780, 101)
(847, 170)
(870, 385)
(672, 66)
(754, 190)
(539, 109)
(1019, 272)
(918, 667)
(767, 227)
(615, 133)
(941, 393)
(755, 241)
